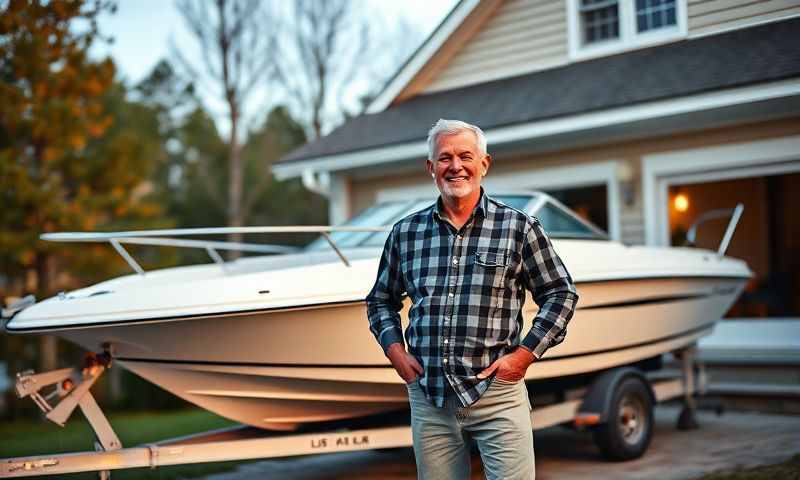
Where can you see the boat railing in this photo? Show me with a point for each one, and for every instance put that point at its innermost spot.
(734, 213)
(165, 237)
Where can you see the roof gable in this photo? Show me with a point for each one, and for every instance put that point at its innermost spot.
(461, 24)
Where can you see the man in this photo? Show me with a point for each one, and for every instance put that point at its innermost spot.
(465, 263)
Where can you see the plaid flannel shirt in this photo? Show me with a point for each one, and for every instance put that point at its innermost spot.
(467, 288)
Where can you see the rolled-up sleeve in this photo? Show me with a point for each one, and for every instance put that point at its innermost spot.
(553, 291)
(386, 298)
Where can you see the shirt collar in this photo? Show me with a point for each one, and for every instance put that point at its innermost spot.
(479, 211)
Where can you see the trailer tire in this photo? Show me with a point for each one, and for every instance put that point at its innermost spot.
(629, 427)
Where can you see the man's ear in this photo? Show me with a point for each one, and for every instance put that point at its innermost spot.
(486, 163)
(429, 167)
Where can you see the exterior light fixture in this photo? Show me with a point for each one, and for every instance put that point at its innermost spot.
(681, 202)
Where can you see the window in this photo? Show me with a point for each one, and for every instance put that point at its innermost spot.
(653, 14)
(601, 27)
(600, 20)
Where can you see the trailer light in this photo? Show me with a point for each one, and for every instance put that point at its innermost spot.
(587, 419)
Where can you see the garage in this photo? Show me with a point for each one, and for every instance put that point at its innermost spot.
(765, 177)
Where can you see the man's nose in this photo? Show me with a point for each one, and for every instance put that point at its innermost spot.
(455, 163)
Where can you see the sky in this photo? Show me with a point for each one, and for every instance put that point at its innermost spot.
(143, 29)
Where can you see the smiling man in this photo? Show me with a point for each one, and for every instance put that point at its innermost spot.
(466, 262)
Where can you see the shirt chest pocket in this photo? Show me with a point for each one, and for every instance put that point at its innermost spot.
(493, 267)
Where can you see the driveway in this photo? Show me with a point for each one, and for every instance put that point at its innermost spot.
(723, 442)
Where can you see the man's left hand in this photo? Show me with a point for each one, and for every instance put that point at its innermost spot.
(510, 367)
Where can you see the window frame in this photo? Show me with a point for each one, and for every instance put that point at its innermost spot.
(629, 38)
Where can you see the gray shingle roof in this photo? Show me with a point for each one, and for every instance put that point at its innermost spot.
(757, 54)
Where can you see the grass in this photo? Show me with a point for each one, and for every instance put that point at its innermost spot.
(40, 437)
(788, 470)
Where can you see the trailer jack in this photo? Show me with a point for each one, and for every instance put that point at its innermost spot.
(70, 387)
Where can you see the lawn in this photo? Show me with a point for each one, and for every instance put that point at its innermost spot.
(40, 437)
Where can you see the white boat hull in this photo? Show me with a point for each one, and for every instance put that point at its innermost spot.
(283, 367)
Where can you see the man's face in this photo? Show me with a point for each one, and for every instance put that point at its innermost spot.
(458, 165)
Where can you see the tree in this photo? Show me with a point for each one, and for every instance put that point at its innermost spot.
(286, 202)
(325, 44)
(334, 57)
(237, 53)
(60, 167)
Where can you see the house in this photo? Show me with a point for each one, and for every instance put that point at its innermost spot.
(639, 114)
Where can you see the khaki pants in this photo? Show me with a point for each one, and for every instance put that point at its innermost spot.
(499, 422)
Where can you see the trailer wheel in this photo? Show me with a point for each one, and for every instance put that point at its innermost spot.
(627, 433)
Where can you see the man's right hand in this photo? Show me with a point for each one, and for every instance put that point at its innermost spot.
(403, 362)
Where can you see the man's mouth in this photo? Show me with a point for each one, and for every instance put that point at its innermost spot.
(456, 179)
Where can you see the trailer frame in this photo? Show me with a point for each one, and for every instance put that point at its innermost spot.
(577, 407)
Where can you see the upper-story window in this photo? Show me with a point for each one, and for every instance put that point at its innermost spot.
(600, 20)
(601, 27)
(654, 14)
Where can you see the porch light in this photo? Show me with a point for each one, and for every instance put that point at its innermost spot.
(681, 202)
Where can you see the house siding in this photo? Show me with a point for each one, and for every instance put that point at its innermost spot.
(712, 16)
(523, 36)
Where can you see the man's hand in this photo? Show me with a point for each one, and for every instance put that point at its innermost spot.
(406, 365)
(510, 367)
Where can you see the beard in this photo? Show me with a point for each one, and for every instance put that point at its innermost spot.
(456, 190)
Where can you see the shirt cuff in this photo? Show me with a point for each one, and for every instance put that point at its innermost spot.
(389, 336)
(535, 344)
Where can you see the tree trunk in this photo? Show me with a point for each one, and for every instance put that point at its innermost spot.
(235, 212)
(48, 346)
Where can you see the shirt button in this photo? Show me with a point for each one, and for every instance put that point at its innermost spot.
(445, 341)
(444, 361)
(450, 294)
(455, 261)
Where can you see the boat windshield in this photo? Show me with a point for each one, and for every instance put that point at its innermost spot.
(557, 220)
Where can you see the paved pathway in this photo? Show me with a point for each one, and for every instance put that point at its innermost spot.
(734, 439)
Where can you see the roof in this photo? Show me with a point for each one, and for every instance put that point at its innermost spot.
(736, 58)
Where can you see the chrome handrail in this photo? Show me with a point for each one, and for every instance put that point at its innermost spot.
(735, 214)
(156, 237)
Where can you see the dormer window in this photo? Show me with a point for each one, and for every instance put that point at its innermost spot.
(602, 27)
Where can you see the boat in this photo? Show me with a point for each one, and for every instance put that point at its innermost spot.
(281, 341)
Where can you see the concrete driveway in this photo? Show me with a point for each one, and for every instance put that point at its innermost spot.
(734, 439)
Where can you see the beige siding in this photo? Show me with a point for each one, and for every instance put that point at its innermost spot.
(710, 16)
(365, 190)
(521, 37)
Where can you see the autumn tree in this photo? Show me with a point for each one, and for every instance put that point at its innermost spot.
(61, 168)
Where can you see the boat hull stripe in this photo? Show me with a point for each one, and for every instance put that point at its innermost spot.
(311, 365)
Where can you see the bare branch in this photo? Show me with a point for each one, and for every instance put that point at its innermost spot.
(237, 56)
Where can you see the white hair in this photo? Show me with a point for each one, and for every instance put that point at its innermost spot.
(452, 127)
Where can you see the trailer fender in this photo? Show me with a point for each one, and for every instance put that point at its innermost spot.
(597, 401)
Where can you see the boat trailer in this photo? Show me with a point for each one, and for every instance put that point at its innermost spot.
(589, 407)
